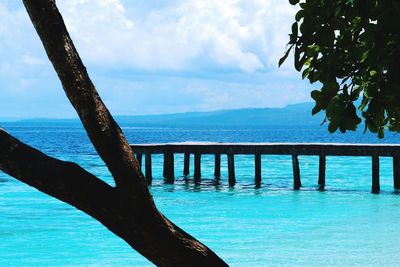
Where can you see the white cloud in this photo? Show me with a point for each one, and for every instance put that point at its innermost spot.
(231, 95)
(20, 48)
(155, 56)
(248, 35)
(167, 94)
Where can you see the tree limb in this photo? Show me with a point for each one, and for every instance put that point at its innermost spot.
(102, 130)
(155, 237)
(63, 180)
(127, 210)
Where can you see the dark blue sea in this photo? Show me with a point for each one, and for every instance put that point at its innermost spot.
(271, 226)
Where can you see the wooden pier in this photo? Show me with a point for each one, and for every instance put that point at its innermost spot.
(258, 149)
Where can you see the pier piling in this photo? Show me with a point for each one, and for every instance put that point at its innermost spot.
(296, 172)
(169, 168)
(258, 150)
(186, 164)
(231, 170)
(148, 170)
(396, 172)
(375, 175)
(257, 170)
(197, 168)
(217, 166)
(321, 173)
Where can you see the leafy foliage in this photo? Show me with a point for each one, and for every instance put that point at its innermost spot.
(352, 48)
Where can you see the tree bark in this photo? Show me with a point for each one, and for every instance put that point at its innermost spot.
(127, 209)
(156, 238)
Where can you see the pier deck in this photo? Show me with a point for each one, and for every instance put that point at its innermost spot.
(258, 149)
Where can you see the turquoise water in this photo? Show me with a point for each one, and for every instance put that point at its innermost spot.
(272, 226)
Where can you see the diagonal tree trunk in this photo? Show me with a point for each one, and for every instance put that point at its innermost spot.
(156, 238)
(128, 209)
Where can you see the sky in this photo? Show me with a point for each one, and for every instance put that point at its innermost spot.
(155, 56)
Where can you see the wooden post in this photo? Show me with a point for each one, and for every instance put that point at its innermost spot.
(169, 167)
(186, 164)
(149, 175)
(197, 168)
(296, 173)
(321, 176)
(396, 172)
(231, 170)
(375, 175)
(217, 166)
(164, 165)
(257, 170)
(139, 159)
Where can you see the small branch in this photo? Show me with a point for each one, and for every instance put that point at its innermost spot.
(324, 121)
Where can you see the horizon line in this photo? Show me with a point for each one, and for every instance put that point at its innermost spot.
(16, 119)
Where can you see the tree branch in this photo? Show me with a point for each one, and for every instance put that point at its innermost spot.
(103, 131)
(150, 234)
(65, 181)
(127, 210)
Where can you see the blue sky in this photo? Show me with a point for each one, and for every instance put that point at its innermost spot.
(148, 57)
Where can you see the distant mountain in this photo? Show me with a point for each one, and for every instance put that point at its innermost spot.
(296, 115)
(291, 115)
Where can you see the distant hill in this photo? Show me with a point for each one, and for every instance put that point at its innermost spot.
(297, 114)
(291, 115)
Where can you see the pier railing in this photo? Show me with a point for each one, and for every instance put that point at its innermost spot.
(258, 149)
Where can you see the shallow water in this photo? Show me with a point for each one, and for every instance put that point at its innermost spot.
(272, 226)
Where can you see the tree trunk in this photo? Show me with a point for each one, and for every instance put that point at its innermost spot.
(128, 209)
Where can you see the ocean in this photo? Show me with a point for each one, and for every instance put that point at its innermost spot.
(270, 226)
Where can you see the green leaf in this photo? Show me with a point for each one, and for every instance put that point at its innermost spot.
(282, 59)
(315, 110)
(305, 73)
(295, 30)
(364, 56)
(381, 134)
(314, 76)
(299, 15)
(331, 88)
(315, 94)
(354, 43)
(364, 102)
(327, 36)
(313, 50)
(299, 62)
(332, 127)
(372, 126)
(296, 58)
